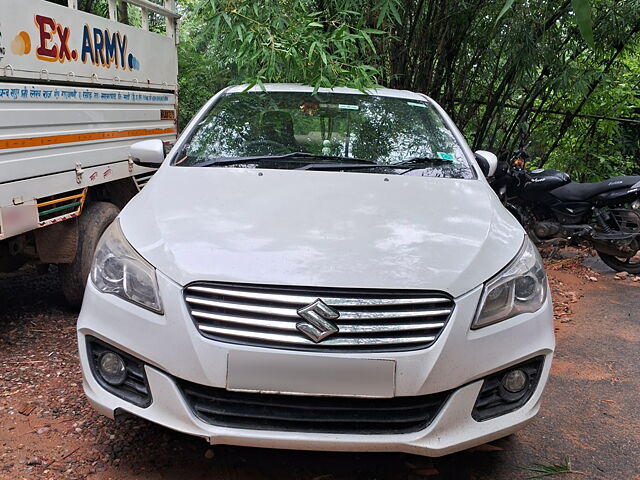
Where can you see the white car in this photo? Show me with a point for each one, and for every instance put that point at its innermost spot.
(324, 270)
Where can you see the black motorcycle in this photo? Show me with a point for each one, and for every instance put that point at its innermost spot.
(555, 210)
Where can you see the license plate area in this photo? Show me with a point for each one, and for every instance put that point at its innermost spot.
(310, 375)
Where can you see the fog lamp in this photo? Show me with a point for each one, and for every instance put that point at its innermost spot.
(515, 381)
(112, 368)
(636, 204)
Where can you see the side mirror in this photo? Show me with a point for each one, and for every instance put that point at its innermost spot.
(487, 161)
(148, 153)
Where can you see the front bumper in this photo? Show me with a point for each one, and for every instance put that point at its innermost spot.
(171, 348)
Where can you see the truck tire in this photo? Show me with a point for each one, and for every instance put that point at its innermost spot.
(92, 223)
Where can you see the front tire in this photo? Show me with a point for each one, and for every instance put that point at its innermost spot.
(94, 220)
(630, 265)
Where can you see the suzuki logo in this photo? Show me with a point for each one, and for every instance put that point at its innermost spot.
(317, 326)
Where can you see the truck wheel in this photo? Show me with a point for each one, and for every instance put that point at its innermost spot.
(95, 219)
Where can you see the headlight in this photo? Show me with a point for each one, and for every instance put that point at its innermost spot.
(520, 288)
(120, 270)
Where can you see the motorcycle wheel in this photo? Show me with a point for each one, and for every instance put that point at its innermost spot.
(631, 265)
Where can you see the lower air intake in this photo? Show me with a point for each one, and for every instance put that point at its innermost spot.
(261, 411)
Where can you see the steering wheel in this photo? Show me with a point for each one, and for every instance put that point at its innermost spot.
(269, 145)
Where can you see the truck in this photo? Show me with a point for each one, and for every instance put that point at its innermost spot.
(76, 90)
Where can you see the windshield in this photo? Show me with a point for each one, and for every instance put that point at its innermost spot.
(291, 130)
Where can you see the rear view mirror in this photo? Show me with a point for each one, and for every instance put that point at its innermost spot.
(148, 153)
(487, 161)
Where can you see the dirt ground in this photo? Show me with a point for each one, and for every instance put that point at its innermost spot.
(590, 415)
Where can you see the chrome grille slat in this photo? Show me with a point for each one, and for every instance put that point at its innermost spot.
(291, 326)
(347, 315)
(267, 316)
(293, 313)
(281, 312)
(256, 322)
(302, 299)
(299, 340)
(368, 328)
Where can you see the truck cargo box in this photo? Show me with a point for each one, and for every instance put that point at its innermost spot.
(76, 91)
(50, 43)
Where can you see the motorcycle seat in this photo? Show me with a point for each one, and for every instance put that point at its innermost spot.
(578, 192)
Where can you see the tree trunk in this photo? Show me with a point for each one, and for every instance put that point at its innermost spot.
(123, 12)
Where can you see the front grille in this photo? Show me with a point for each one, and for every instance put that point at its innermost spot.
(267, 316)
(262, 411)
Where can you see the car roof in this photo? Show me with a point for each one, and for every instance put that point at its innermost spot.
(292, 87)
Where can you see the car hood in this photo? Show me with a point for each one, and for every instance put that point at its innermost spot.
(325, 229)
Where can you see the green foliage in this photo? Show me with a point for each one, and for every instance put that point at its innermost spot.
(199, 61)
(508, 4)
(595, 148)
(298, 41)
(582, 9)
(539, 471)
(199, 80)
(551, 67)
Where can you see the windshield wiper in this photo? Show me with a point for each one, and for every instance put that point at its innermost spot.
(410, 164)
(342, 166)
(292, 155)
(417, 161)
(328, 162)
(255, 158)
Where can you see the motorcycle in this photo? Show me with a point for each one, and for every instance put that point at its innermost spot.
(555, 210)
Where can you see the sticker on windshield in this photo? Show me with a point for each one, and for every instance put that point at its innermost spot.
(414, 104)
(348, 107)
(446, 156)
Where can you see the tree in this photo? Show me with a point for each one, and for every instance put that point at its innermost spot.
(497, 67)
